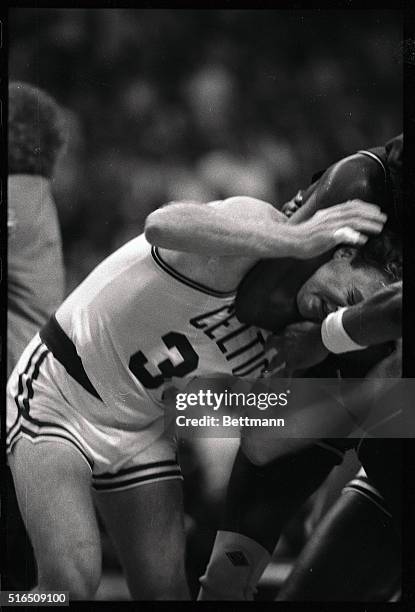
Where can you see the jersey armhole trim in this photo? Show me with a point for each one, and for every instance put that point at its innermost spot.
(185, 280)
(377, 159)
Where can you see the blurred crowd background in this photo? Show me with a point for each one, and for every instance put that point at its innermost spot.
(201, 104)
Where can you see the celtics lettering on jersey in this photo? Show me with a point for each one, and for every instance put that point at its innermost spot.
(244, 352)
(240, 344)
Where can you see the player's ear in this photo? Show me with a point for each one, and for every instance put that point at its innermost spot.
(345, 252)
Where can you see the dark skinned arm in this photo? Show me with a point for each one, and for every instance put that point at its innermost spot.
(361, 321)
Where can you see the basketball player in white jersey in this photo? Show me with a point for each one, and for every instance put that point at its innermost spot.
(85, 402)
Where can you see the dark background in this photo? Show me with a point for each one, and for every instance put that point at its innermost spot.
(202, 104)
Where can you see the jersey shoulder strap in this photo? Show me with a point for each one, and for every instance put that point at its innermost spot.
(379, 155)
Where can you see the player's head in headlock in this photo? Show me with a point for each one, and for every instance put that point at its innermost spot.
(354, 274)
(351, 275)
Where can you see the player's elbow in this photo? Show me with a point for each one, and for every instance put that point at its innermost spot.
(157, 228)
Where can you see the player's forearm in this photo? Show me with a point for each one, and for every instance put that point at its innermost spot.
(205, 230)
(371, 322)
(250, 228)
(377, 319)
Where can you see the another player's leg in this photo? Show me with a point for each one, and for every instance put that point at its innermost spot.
(353, 555)
(146, 526)
(53, 486)
(260, 501)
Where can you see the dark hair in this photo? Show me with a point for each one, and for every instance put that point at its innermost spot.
(383, 252)
(36, 130)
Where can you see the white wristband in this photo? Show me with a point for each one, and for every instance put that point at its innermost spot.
(334, 336)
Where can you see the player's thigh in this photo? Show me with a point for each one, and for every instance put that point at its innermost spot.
(53, 487)
(147, 527)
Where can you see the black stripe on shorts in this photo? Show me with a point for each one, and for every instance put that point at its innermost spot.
(21, 390)
(137, 480)
(137, 468)
(61, 435)
(22, 400)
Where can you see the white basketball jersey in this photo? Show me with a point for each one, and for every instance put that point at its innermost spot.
(138, 325)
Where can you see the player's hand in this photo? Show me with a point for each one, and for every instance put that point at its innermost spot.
(299, 347)
(348, 223)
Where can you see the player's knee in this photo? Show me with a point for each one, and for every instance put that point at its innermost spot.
(257, 453)
(78, 573)
(260, 452)
(79, 585)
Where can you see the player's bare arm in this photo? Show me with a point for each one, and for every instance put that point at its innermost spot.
(217, 244)
(361, 322)
(246, 227)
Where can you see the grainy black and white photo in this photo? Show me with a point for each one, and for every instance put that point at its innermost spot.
(204, 305)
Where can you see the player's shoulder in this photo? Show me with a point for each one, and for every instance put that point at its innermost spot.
(363, 164)
(357, 176)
